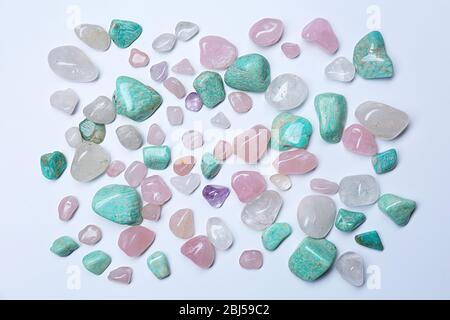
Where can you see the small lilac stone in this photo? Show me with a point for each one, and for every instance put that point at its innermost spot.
(121, 275)
(251, 259)
(193, 102)
(90, 235)
(135, 173)
(159, 71)
(115, 168)
(175, 116)
(215, 194)
(67, 207)
(175, 86)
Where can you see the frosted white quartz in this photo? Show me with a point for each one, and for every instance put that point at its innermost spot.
(71, 63)
(89, 162)
(129, 137)
(340, 69)
(94, 36)
(359, 190)
(262, 212)
(220, 120)
(350, 266)
(73, 137)
(286, 92)
(101, 110)
(186, 30)
(218, 233)
(65, 100)
(164, 42)
(186, 184)
(316, 215)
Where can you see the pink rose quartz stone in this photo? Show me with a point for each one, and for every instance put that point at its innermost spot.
(200, 250)
(240, 101)
(155, 190)
(324, 186)
(135, 173)
(135, 240)
(151, 212)
(138, 59)
(251, 259)
(115, 168)
(252, 144)
(175, 115)
(183, 166)
(359, 140)
(223, 150)
(155, 135)
(175, 86)
(290, 50)
(297, 161)
(184, 67)
(159, 71)
(248, 185)
(121, 275)
(320, 31)
(67, 208)
(192, 139)
(181, 224)
(90, 235)
(216, 52)
(266, 32)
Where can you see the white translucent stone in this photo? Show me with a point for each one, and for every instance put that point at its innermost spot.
(341, 70)
(89, 162)
(129, 137)
(73, 137)
(218, 233)
(286, 92)
(281, 181)
(220, 120)
(186, 30)
(64, 100)
(262, 212)
(164, 42)
(101, 110)
(316, 215)
(359, 190)
(71, 63)
(350, 266)
(186, 184)
(94, 36)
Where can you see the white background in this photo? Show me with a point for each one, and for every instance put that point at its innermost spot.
(416, 261)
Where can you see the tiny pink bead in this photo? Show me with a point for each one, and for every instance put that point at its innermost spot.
(359, 140)
(138, 59)
(248, 185)
(251, 259)
(223, 150)
(240, 101)
(192, 139)
(200, 250)
(320, 31)
(266, 32)
(216, 52)
(252, 144)
(175, 86)
(183, 166)
(115, 168)
(151, 212)
(135, 173)
(155, 191)
(297, 161)
(135, 240)
(67, 207)
(290, 50)
(324, 186)
(184, 67)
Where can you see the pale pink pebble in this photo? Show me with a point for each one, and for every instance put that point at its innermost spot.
(183, 166)
(359, 140)
(67, 207)
(184, 67)
(90, 235)
(159, 71)
(248, 185)
(266, 32)
(240, 101)
(216, 52)
(121, 275)
(181, 223)
(175, 86)
(251, 259)
(135, 173)
(252, 144)
(324, 186)
(115, 168)
(138, 59)
(192, 139)
(223, 150)
(320, 31)
(297, 161)
(155, 135)
(135, 240)
(151, 212)
(155, 191)
(200, 250)
(290, 50)
(175, 115)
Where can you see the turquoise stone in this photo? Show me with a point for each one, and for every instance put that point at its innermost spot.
(92, 132)
(371, 59)
(135, 100)
(123, 33)
(156, 157)
(159, 265)
(296, 134)
(53, 165)
(96, 262)
(64, 246)
(209, 86)
(397, 208)
(384, 161)
(370, 240)
(275, 234)
(347, 220)
(312, 258)
(249, 73)
(210, 165)
(331, 109)
(281, 120)
(118, 203)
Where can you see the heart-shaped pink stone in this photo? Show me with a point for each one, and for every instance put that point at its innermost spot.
(200, 250)
(297, 161)
(252, 144)
(359, 140)
(248, 185)
(135, 240)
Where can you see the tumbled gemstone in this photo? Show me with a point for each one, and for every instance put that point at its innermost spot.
(297, 161)
(290, 50)
(121, 274)
(129, 137)
(200, 250)
(115, 168)
(218, 233)
(64, 246)
(193, 102)
(359, 140)
(262, 212)
(72, 64)
(350, 266)
(220, 120)
(155, 191)
(331, 109)
(123, 33)
(53, 165)
(175, 115)
(240, 101)
(266, 32)
(89, 162)
(90, 235)
(250, 72)
(101, 110)
(319, 31)
(159, 71)
(347, 220)
(248, 185)
(370, 240)
(186, 184)
(73, 137)
(286, 92)
(215, 194)
(138, 58)
(281, 181)
(65, 100)
(210, 166)
(164, 42)
(185, 30)
(275, 234)
(183, 166)
(156, 157)
(135, 173)
(324, 186)
(155, 135)
(96, 262)
(384, 161)
(296, 134)
(251, 259)
(397, 208)
(209, 86)
(192, 139)
(223, 150)
(341, 70)
(91, 131)
(184, 67)
(159, 265)
(315, 215)
(251, 145)
(94, 36)
(175, 87)
(182, 223)
(216, 52)
(67, 208)
(151, 212)
(135, 240)
(358, 190)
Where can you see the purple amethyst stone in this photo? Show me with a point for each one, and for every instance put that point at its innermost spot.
(193, 102)
(215, 195)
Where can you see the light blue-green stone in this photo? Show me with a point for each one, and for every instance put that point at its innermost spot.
(331, 109)
(371, 59)
(96, 262)
(385, 161)
(397, 208)
(296, 134)
(249, 73)
(312, 258)
(135, 100)
(156, 157)
(210, 165)
(370, 240)
(281, 120)
(209, 86)
(348, 221)
(64, 246)
(159, 265)
(123, 33)
(91, 131)
(275, 234)
(118, 203)
(53, 165)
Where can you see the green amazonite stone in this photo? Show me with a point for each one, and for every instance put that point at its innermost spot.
(64, 246)
(118, 203)
(249, 73)
(347, 221)
(370, 58)
(53, 165)
(312, 258)
(135, 100)
(397, 208)
(275, 234)
(91, 131)
(159, 265)
(210, 166)
(209, 86)
(281, 120)
(123, 33)
(296, 134)
(370, 240)
(156, 157)
(385, 161)
(331, 108)
(96, 262)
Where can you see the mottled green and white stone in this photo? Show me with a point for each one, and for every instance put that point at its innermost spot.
(123, 33)
(290, 131)
(96, 262)
(156, 157)
(370, 239)
(92, 132)
(275, 234)
(159, 265)
(210, 165)
(250, 72)
(331, 109)
(384, 161)
(64, 246)
(209, 86)
(397, 208)
(53, 165)
(347, 220)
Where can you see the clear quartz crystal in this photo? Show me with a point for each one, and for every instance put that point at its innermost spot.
(71, 63)
(94, 36)
(341, 70)
(89, 162)
(186, 30)
(101, 110)
(262, 212)
(350, 266)
(64, 100)
(73, 137)
(218, 233)
(286, 92)
(164, 42)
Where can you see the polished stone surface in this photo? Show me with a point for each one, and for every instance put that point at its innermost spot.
(175, 115)
(359, 140)
(359, 190)
(385, 161)
(71, 63)
(397, 208)
(174, 86)
(215, 194)
(350, 266)
(186, 184)
(115, 168)
(53, 165)
(216, 52)
(121, 275)
(158, 264)
(183, 166)
(252, 144)
(89, 162)
(218, 233)
(266, 32)
(223, 150)
(193, 102)
(91, 131)
(324, 186)
(67, 207)
(340, 69)
(155, 191)
(64, 246)
(192, 139)
(248, 185)
(138, 58)
(135, 173)
(281, 181)
(101, 110)
(251, 259)
(135, 240)
(275, 234)
(210, 166)
(295, 134)
(263, 211)
(123, 33)
(290, 50)
(156, 157)
(370, 239)
(90, 235)
(164, 42)
(298, 161)
(151, 212)
(331, 109)
(221, 121)
(73, 137)
(185, 30)
(96, 262)
(286, 92)
(250, 72)
(93, 35)
(181, 224)
(183, 67)
(159, 71)
(240, 101)
(200, 251)
(129, 137)
(209, 86)
(64, 100)
(320, 32)
(155, 135)
(316, 215)
(347, 220)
